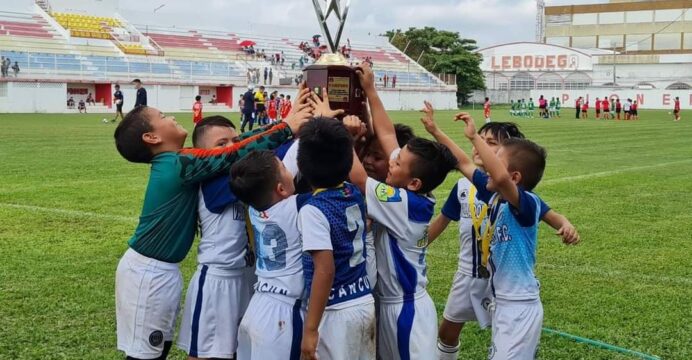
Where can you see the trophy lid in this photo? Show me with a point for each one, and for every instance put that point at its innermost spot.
(332, 59)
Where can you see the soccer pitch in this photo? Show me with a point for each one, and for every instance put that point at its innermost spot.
(69, 203)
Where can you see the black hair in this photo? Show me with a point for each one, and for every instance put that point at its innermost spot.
(207, 122)
(433, 162)
(288, 96)
(528, 158)
(404, 134)
(254, 177)
(128, 136)
(117, 86)
(502, 130)
(198, 98)
(325, 155)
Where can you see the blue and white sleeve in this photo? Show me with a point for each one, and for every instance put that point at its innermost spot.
(452, 207)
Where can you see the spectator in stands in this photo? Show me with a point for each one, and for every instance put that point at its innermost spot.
(6, 66)
(2, 66)
(141, 93)
(119, 100)
(266, 74)
(271, 76)
(15, 67)
(283, 58)
(82, 106)
(248, 109)
(213, 100)
(386, 80)
(70, 103)
(90, 100)
(394, 81)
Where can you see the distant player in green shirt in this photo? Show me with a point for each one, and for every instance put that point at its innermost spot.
(551, 108)
(512, 108)
(522, 108)
(531, 107)
(557, 107)
(148, 282)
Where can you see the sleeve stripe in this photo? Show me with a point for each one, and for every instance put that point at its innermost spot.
(205, 153)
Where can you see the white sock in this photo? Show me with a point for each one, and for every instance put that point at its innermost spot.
(445, 352)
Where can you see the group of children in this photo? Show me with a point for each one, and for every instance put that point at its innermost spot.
(524, 109)
(293, 264)
(608, 109)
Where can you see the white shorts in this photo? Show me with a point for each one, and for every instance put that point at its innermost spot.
(516, 330)
(468, 300)
(348, 334)
(272, 329)
(147, 301)
(214, 305)
(407, 330)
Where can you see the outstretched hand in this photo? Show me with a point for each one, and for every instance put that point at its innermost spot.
(355, 127)
(428, 118)
(470, 129)
(320, 107)
(569, 235)
(366, 76)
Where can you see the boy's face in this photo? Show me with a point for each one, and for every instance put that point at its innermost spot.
(165, 130)
(504, 157)
(489, 139)
(285, 187)
(217, 137)
(399, 174)
(376, 162)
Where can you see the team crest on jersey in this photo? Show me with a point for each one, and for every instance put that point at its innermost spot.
(423, 242)
(386, 193)
(156, 338)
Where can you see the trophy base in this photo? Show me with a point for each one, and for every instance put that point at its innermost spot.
(342, 84)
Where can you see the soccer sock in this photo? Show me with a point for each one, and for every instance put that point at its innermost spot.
(446, 352)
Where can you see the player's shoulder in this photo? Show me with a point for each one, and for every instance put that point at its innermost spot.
(420, 207)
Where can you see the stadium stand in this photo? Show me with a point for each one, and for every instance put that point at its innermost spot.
(109, 47)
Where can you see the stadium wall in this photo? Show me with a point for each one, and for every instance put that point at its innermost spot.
(51, 97)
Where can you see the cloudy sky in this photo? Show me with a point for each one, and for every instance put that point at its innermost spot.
(490, 22)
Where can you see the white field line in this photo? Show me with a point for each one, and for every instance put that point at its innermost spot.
(76, 213)
(611, 172)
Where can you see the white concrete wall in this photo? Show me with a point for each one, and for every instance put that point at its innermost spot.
(29, 97)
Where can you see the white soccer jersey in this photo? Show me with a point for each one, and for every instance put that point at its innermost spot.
(458, 208)
(224, 238)
(279, 248)
(401, 240)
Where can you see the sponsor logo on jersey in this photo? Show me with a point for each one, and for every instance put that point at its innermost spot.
(386, 193)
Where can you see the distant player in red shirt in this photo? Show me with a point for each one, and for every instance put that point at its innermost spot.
(486, 110)
(286, 107)
(598, 108)
(585, 109)
(618, 108)
(606, 108)
(676, 109)
(271, 111)
(577, 106)
(197, 110)
(634, 110)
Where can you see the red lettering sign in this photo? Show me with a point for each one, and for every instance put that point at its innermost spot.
(562, 61)
(77, 91)
(493, 65)
(640, 99)
(505, 62)
(565, 97)
(539, 62)
(528, 61)
(666, 99)
(550, 61)
(516, 62)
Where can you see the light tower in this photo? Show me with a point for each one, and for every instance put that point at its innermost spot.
(540, 21)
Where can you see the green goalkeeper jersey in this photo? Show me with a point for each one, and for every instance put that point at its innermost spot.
(167, 225)
(531, 105)
(522, 105)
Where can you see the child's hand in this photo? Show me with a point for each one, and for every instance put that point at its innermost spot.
(355, 127)
(569, 234)
(366, 76)
(296, 119)
(301, 100)
(470, 130)
(428, 119)
(320, 107)
(308, 346)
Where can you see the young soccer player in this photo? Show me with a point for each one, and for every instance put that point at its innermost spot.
(577, 106)
(676, 109)
(598, 108)
(470, 294)
(627, 108)
(82, 106)
(512, 108)
(340, 319)
(273, 324)
(606, 108)
(513, 172)
(551, 108)
(618, 108)
(486, 110)
(148, 279)
(585, 109)
(286, 107)
(402, 207)
(532, 107)
(119, 100)
(557, 107)
(218, 293)
(271, 108)
(197, 110)
(634, 110)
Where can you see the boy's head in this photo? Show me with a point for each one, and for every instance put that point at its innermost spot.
(494, 134)
(198, 98)
(487, 98)
(325, 155)
(214, 131)
(117, 87)
(375, 161)
(146, 132)
(261, 180)
(261, 89)
(421, 166)
(137, 83)
(288, 97)
(525, 161)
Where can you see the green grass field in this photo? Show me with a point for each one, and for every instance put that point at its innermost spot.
(69, 202)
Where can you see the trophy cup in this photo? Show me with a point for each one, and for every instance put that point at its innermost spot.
(331, 70)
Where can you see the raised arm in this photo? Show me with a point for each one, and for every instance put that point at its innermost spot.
(357, 176)
(437, 226)
(497, 171)
(382, 124)
(465, 164)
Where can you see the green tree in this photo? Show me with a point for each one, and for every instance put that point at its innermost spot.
(441, 51)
